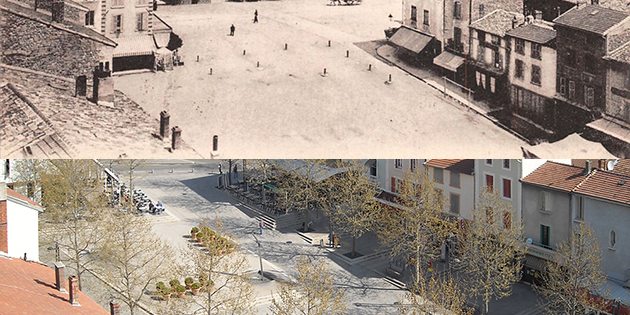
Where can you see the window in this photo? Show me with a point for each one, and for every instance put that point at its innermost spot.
(507, 188)
(457, 10)
(589, 96)
(580, 208)
(438, 175)
(425, 21)
(544, 201)
(506, 164)
(118, 3)
(413, 164)
(396, 185)
(492, 84)
(489, 215)
(117, 23)
(570, 58)
(571, 89)
(518, 72)
(481, 36)
(89, 18)
(481, 53)
(496, 58)
(507, 220)
(398, 163)
(563, 86)
(483, 80)
(613, 239)
(544, 235)
(535, 75)
(454, 203)
(590, 65)
(496, 40)
(488, 161)
(457, 36)
(520, 46)
(536, 51)
(140, 18)
(414, 14)
(454, 179)
(489, 182)
(626, 81)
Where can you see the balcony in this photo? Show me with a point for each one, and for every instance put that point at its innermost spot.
(541, 251)
(454, 47)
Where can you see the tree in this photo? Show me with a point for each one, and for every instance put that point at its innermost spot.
(418, 227)
(351, 205)
(569, 282)
(260, 172)
(131, 257)
(442, 294)
(312, 293)
(74, 205)
(131, 166)
(491, 249)
(302, 182)
(227, 290)
(27, 174)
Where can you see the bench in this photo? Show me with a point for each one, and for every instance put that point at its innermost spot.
(394, 272)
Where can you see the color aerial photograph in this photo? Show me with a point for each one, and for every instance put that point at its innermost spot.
(370, 236)
(215, 79)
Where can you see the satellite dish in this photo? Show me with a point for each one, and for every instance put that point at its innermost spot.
(611, 165)
(529, 240)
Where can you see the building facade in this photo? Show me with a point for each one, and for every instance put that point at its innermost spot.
(455, 180)
(18, 224)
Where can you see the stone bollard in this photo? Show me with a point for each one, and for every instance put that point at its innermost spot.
(286, 46)
(164, 122)
(244, 52)
(215, 143)
(176, 142)
(328, 43)
(370, 67)
(347, 54)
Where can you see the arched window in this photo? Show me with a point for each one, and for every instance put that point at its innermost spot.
(613, 238)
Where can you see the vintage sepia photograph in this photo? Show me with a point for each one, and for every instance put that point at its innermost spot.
(310, 78)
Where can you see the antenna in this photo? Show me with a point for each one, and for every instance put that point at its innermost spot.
(610, 165)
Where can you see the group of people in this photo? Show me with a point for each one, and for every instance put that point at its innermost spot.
(233, 28)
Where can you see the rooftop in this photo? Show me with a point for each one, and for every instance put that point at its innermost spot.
(557, 176)
(591, 18)
(533, 32)
(606, 185)
(24, 282)
(15, 194)
(460, 166)
(497, 22)
(23, 10)
(48, 109)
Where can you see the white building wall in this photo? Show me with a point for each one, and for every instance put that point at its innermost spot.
(466, 192)
(22, 229)
(496, 169)
(547, 64)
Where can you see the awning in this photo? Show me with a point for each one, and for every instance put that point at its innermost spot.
(611, 128)
(448, 61)
(573, 145)
(134, 46)
(410, 39)
(162, 39)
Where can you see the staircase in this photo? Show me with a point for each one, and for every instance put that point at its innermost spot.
(273, 222)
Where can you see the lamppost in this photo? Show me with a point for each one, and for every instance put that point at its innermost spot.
(262, 274)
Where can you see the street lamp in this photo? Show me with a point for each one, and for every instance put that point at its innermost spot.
(262, 275)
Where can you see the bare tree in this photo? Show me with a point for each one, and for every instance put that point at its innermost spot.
(260, 171)
(312, 293)
(418, 227)
(570, 281)
(74, 205)
(351, 206)
(26, 177)
(221, 265)
(131, 166)
(131, 257)
(492, 250)
(441, 294)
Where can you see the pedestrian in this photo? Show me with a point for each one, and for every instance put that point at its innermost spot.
(256, 16)
(261, 225)
(236, 171)
(220, 171)
(232, 29)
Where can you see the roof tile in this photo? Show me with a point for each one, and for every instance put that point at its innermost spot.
(591, 18)
(497, 22)
(557, 176)
(461, 166)
(533, 32)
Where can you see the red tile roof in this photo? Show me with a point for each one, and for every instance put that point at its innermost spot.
(15, 194)
(606, 185)
(461, 166)
(622, 167)
(557, 176)
(29, 288)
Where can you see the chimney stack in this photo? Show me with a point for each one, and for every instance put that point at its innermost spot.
(57, 11)
(594, 2)
(164, 125)
(176, 138)
(103, 86)
(74, 290)
(482, 10)
(60, 280)
(114, 308)
(514, 21)
(81, 86)
(601, 164)
(538, 15)
(589, 167)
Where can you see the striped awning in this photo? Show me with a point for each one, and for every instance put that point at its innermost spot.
(410, 39)
(134, 46)
(448, 61)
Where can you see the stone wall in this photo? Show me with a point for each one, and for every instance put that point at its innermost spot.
(33, 45)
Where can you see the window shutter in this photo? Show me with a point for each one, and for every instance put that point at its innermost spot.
(145, 21)
(113, 28)
(393, 184)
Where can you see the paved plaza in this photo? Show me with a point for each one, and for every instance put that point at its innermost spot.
(286, 106)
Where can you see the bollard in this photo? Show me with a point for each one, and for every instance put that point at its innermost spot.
(215, 143)
(390, 78)
(197, 58)
(210, 71)
(257, 64)
(328, 43)
(243, 52)
(347, 53)
(324, 71)
(286, 46)
(370, 67)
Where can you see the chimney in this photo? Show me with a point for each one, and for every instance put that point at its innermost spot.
(103, 87)
(482, 10)
(601, 164)
(114, 308)
(164, 124)
(176, 142)
(36, 5)
(74, 290)
(514, 21)
(81, 86)
(594, 2)
(588, 168)
(57, 11)
(538, 15)
(60, 280)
